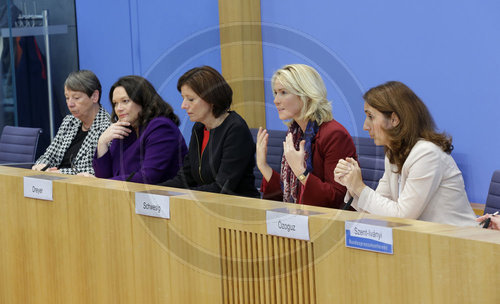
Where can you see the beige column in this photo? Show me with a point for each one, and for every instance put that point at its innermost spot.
(241, 55)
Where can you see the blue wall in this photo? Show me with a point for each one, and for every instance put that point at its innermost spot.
(447, 51)
(157, 39)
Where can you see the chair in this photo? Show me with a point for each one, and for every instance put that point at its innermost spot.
(18, 145)
(274, 152)
(493, 198)
(371, 160)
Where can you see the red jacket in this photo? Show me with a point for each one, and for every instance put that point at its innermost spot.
(331, 143)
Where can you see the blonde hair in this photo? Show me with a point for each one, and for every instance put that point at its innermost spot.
(305, 82)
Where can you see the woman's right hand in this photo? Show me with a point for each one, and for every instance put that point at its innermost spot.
(261, 154)
(118, 130)
(38, 167)
(341, 170)
(348, 174)
(495, 221)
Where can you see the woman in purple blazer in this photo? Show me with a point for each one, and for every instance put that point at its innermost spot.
(144, 143)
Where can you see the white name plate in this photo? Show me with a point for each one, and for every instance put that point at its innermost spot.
(370, 234)
(154, 203)
(39, 186)
(289, 223)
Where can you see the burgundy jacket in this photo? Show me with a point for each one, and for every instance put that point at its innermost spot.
(331, 143)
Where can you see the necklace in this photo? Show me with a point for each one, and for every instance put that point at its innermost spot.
(84, 128)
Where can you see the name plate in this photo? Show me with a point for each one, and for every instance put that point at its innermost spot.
(370, 234)
(289, 223)
(39, 186)
(154, 203)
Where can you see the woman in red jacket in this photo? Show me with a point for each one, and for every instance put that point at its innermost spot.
(314, 143)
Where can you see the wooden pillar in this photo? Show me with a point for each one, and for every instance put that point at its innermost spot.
(241, 56)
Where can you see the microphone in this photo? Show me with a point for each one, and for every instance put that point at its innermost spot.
(348, 204)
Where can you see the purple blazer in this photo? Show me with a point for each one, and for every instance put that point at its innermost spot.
(155, 156)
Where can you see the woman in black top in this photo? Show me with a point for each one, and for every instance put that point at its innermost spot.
(221, 150)
(72, 150)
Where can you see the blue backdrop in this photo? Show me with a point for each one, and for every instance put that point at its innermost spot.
(446, 51)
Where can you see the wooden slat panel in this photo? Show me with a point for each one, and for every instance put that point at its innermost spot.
(263, 290)
(294, 271)
(235, 274)
(244, 265)
(224, 266)
(270, 269)
(300, 281)
(310, 271)
(305, 275)
(277, 270)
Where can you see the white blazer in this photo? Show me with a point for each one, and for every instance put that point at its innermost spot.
(429, 188)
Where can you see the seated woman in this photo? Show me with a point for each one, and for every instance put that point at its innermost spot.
(72, 149)
(314, 143)
(421, 179)
(221, 150)
(144, 143)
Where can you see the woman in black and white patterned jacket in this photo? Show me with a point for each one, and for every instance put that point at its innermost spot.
(73, 148)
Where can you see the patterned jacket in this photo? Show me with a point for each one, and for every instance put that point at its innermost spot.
(67, 131)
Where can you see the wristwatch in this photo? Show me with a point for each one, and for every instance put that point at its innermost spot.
(303, 176)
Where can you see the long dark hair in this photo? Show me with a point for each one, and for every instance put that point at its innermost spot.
(415, 120)
(142, 92)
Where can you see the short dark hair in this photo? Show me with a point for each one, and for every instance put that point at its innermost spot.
(143, 93)
(84, 81)
(209, 84)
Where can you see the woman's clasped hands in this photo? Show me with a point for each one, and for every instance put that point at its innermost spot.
(348, 174)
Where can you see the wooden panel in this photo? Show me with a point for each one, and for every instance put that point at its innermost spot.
(89, 246)
(100, 246)
(259, 268)
(56, 254)
(241, 57)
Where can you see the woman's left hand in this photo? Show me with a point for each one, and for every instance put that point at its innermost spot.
(295, 159)
(53, 170)
(86, 174)
(353, 180)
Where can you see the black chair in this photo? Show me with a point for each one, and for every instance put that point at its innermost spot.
(371, 160)
(18, 145)
(274, 152)
(493, 198)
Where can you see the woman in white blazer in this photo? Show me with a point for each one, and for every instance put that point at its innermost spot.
(421, 179)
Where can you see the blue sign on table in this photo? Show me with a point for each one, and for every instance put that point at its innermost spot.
(370, 234)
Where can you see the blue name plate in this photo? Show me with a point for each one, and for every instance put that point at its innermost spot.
(370, 234)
